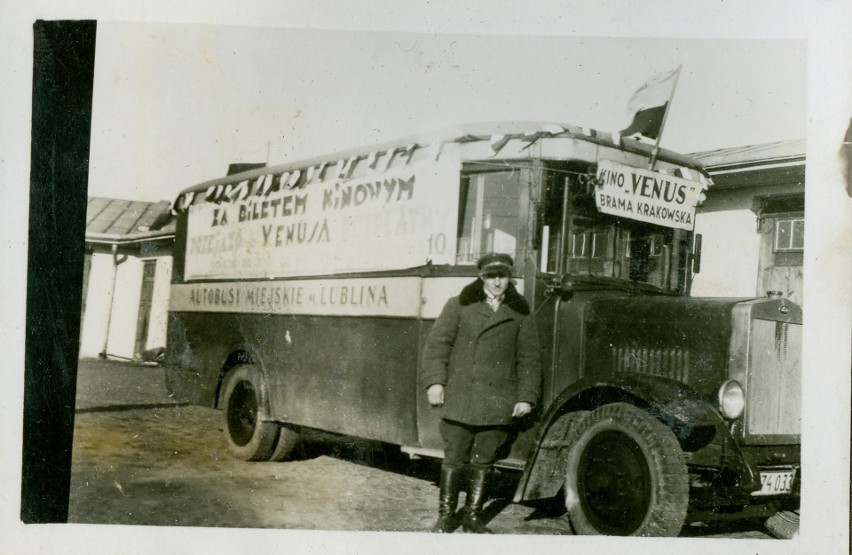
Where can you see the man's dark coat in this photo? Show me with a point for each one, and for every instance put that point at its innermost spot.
(487, 360)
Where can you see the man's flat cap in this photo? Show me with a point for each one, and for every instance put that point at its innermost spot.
(495, 262)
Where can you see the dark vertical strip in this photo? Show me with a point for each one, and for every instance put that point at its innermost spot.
(63, 68)
(179, 248)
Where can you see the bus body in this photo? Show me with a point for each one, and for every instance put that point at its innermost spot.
(302, 295)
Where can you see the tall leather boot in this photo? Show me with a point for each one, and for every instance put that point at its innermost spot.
(473, 518)
(448, 500)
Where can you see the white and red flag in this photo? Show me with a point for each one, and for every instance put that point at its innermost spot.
(650, 103)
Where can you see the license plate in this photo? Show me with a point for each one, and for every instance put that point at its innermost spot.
(776, 482)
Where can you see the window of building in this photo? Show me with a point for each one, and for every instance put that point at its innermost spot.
(790, 235)
(588, 243)
(781, 225)
(578, 244)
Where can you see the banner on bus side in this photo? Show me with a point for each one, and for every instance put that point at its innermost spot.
(402, 297)
(398, 218)
(646, 196)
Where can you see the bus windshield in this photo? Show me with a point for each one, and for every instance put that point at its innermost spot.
(578, 239)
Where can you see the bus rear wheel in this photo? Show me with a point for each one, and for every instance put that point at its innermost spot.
(625, 475)
(285, 444)
(249, 438)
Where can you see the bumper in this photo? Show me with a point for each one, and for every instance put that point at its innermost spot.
(726, 473)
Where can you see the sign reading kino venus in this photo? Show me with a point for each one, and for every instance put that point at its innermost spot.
(646, 195)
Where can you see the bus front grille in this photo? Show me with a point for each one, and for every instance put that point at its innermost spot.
(774, 388)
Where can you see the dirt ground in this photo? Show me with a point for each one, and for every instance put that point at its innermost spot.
(140, 457)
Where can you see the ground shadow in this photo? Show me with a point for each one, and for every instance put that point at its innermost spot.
(365, 452)
(120, 408)
(723, 527)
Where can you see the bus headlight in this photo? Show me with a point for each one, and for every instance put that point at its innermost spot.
(731, 399)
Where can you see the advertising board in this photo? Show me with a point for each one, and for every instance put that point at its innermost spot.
(646, 196)
(389, 219)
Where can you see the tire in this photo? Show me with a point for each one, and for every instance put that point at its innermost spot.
(249, 438)
(569, 422)
(285, 444)
(783, 525)
(625, 475)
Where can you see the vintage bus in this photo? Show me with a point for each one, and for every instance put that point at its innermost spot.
(302, 294)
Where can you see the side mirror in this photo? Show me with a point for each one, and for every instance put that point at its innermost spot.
(696, 254)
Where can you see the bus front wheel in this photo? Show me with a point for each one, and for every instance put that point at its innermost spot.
(625, 475)
(249, 438)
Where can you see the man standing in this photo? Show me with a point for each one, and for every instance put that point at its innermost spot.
(482, 363)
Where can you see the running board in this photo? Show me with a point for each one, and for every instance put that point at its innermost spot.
(422, 452)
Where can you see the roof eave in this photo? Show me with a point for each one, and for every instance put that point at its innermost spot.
(129, 238)
(756, 165)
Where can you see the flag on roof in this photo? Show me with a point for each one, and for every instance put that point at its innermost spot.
(649, 104)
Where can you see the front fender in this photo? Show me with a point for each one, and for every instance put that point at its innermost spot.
(695, 422)
(667, 399)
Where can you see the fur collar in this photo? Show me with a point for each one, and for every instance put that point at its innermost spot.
(475, 293)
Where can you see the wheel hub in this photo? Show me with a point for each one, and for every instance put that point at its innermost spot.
(242, 413)
(615, 485)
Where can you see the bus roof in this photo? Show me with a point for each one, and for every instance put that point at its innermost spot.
(466, 133)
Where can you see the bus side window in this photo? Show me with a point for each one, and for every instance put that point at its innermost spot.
(489, 220)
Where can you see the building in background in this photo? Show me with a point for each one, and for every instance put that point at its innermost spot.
(753, 221)
(126, 276)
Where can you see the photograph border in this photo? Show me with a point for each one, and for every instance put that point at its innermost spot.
(44, 384)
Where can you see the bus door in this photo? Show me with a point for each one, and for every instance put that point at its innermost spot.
(493, 215)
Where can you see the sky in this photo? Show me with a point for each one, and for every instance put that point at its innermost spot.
(174, 104)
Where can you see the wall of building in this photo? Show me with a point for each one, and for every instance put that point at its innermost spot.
(731, 242)
(111, 311)
(730, 252)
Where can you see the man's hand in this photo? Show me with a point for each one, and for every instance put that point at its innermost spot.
(435, 393)
(521, 409)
